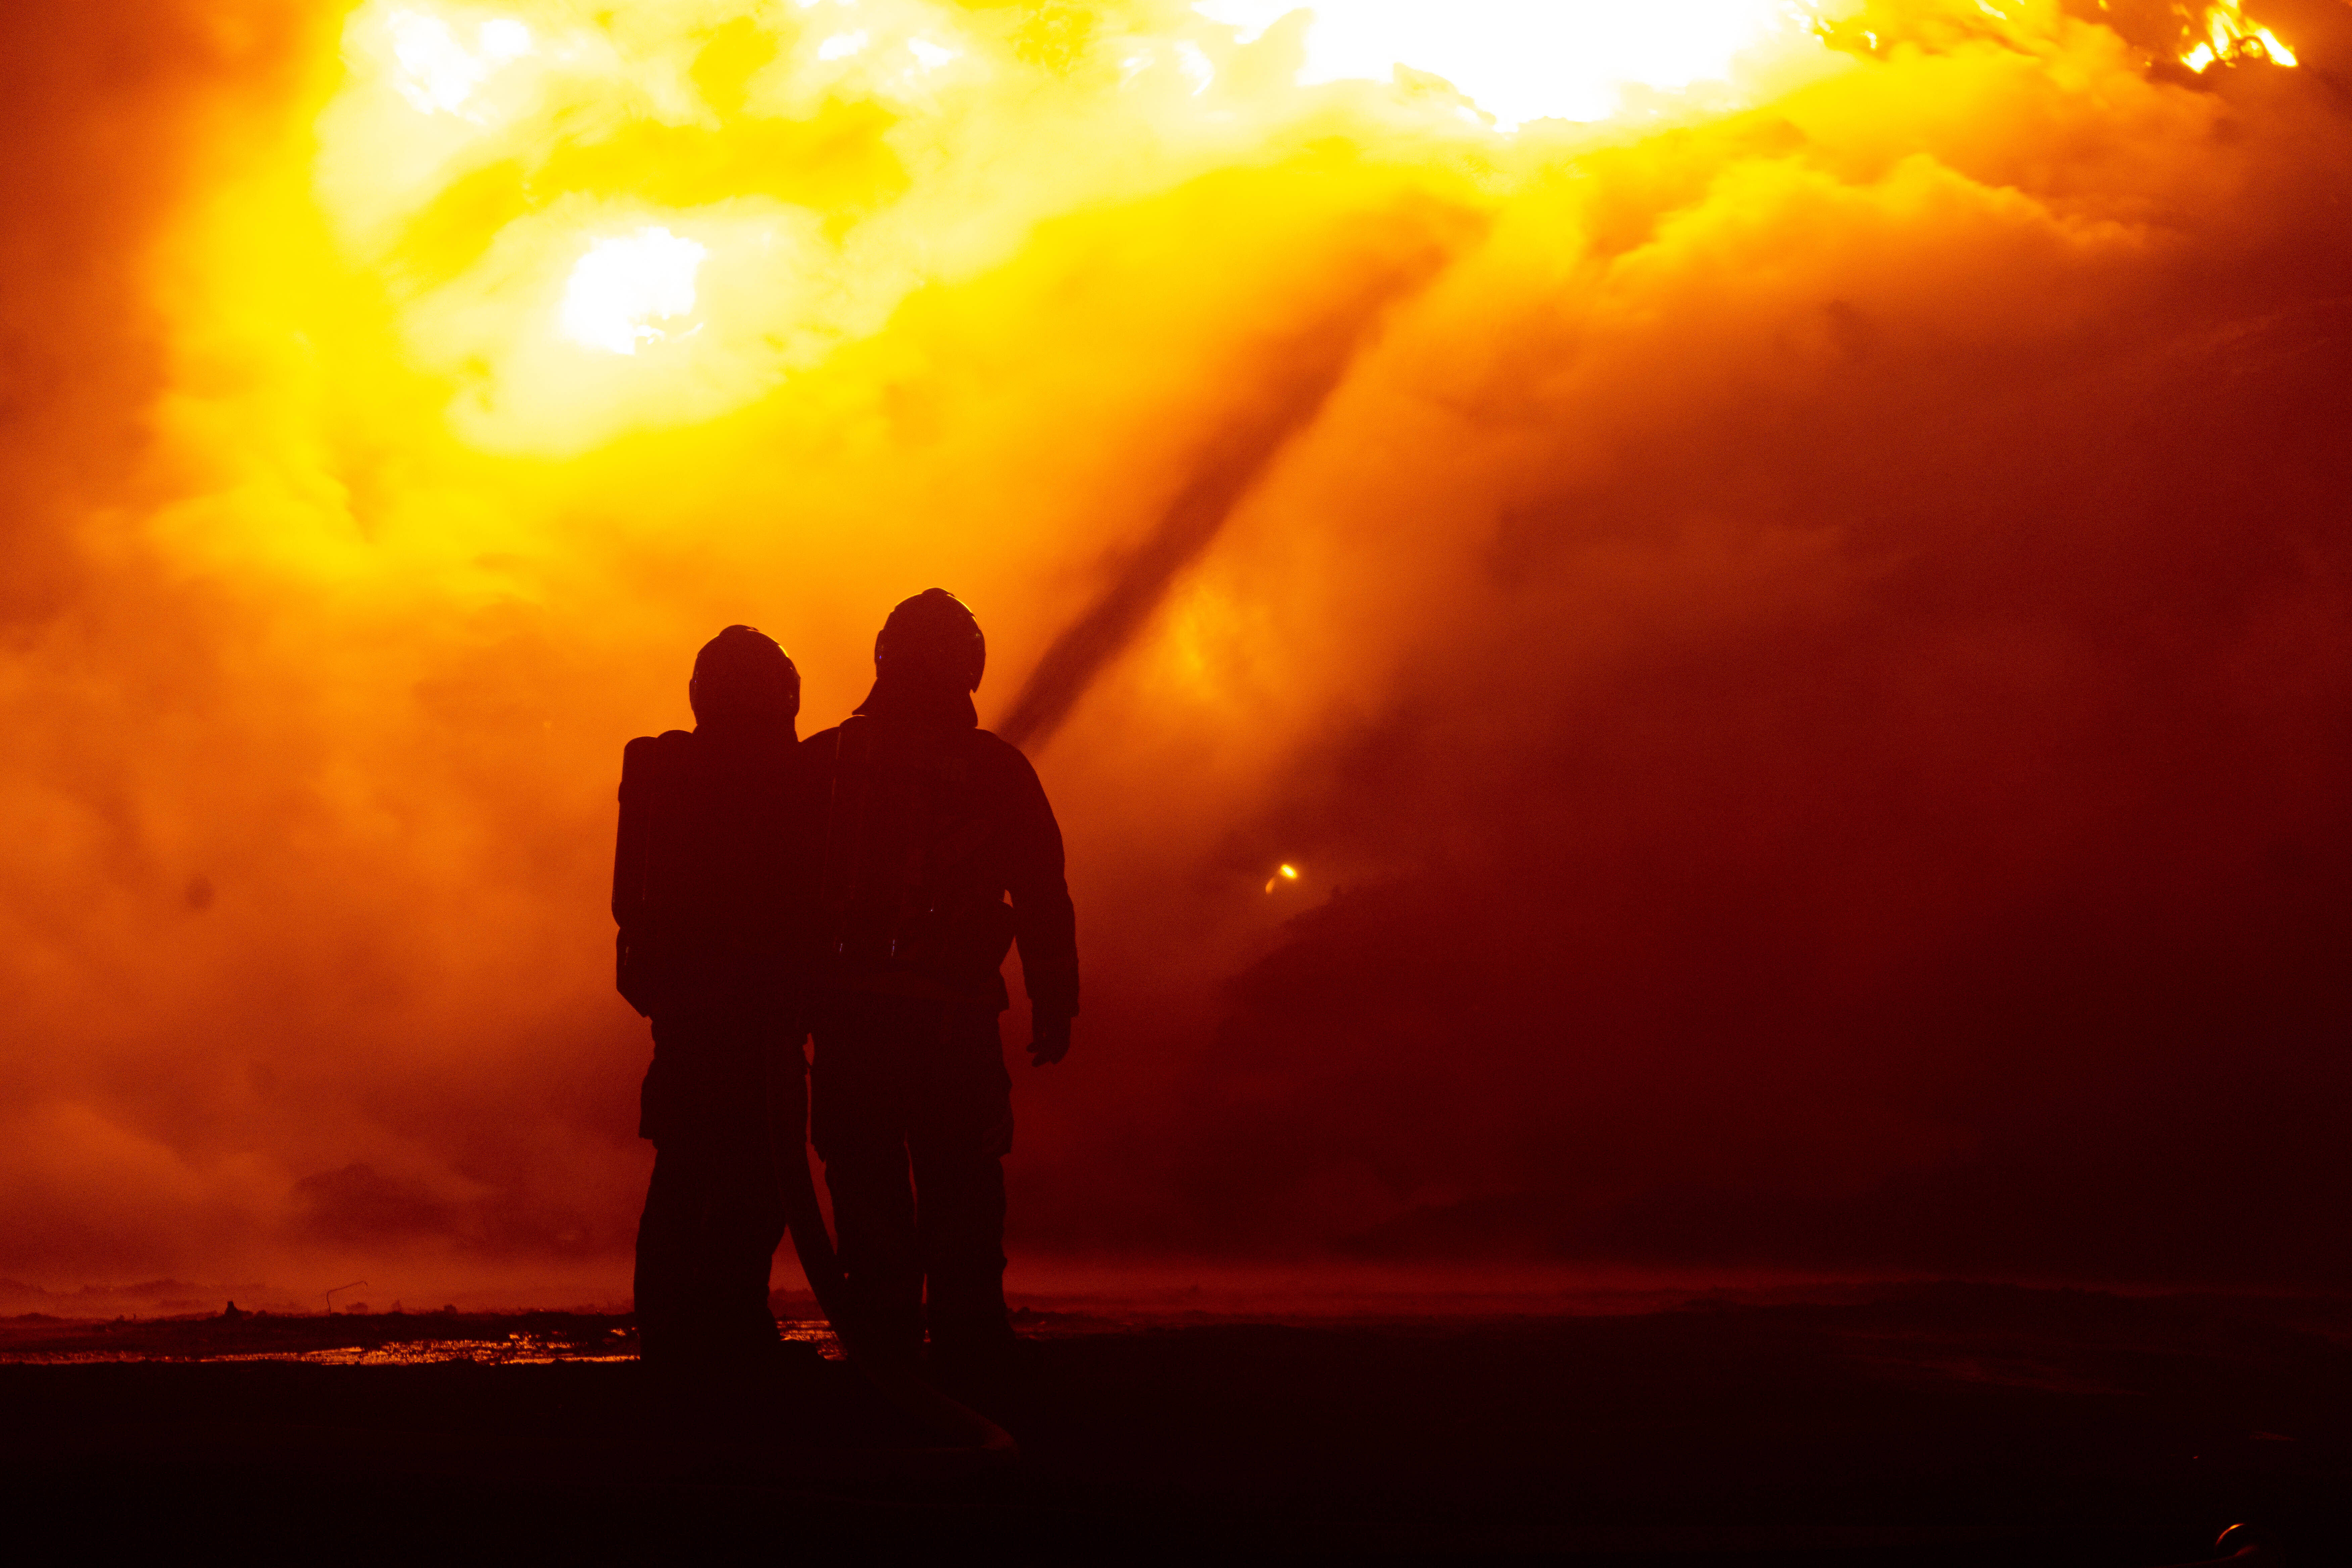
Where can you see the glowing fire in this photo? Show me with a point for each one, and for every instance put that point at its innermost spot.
(2229, 36)
(1525, 60)
(622, 286)
(437, 74)
(515, 172)
(435, 157)
(484, 363)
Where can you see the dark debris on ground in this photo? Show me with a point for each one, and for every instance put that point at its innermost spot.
(1938, 1425)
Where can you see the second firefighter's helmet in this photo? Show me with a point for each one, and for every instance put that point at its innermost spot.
(933, 636)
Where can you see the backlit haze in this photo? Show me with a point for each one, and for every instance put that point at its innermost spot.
(1684, 639)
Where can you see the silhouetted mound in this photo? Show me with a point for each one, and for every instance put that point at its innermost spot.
(1937, 1424)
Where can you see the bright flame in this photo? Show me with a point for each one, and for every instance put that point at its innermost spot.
(2229, 36)
(763, 133)
(933, 56)
(437, 73)
(1526, 59)
(624, 284)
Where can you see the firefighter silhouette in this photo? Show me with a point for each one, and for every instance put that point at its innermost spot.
(929, 822)
(712, 879)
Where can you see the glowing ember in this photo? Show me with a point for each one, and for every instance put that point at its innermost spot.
(2229, 36)
(624, 285)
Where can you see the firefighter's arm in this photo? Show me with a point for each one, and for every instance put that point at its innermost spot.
(1044, 923)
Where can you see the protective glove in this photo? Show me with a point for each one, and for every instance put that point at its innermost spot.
(1050, 1037)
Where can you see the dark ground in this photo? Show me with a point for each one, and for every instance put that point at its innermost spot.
(1928, 1424)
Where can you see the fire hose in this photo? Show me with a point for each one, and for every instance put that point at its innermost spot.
(887, 1375)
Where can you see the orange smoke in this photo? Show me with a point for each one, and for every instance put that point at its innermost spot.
(1803, 605)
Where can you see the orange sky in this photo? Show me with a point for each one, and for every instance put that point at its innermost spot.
(1795, 632)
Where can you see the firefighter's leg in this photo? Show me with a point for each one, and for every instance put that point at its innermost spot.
(959, 1134)
(668, 1283)
(738, 1247)
(712, 1216)
(747, 1216)
(860, 1132)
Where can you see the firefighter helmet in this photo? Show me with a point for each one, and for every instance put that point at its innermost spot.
(743, 674)
(934, 634)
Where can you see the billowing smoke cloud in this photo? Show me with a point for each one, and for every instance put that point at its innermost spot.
(1795, 638)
